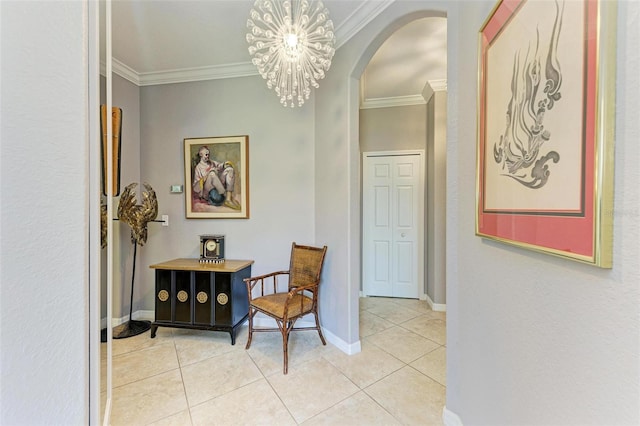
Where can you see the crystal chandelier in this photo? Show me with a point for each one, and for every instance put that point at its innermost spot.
(292, 44)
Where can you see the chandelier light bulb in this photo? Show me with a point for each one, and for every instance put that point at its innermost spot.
(292, 44)
(292, 40)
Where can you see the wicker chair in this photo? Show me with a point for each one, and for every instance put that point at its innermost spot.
(300, 298)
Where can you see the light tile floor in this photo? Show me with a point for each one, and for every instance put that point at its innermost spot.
(188, 377)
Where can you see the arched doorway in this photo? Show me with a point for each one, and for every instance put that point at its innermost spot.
(428, 98)
(403, 109)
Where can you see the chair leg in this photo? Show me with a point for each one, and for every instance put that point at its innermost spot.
(252, 312)
(319, 329)
(285, 347)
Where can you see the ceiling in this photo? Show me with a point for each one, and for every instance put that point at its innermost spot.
(168, 41)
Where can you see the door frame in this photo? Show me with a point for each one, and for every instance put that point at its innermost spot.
(421, 225)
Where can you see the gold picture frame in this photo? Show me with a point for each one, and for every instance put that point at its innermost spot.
(217, 177)
(546, 99)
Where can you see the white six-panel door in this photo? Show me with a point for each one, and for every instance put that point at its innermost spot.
(393, 217)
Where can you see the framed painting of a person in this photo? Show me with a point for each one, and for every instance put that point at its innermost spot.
(216, 177)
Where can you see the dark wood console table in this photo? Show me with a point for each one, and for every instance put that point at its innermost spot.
(203, 296)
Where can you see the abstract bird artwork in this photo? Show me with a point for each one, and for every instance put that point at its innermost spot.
(138, 215)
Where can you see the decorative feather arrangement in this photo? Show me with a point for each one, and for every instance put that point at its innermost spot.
(138, 215)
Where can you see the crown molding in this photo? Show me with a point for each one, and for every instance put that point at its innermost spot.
(241, 69)
(408, 100)
(181, 75)
(438, 85)
(394, 101)
(360, 17)
(122, 70)
(364, 14)
(125, 71)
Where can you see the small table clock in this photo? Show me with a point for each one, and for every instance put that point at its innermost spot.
(211, 248)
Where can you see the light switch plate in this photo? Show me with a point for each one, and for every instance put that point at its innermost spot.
(176, 189)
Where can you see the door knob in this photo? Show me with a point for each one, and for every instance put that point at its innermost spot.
(403, 235)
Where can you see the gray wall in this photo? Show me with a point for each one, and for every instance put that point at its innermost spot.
(534, 339)
(418, 127)
(393, 128)
(44, 222)
(338, 209)
(126, 96)
(530, 338)
(558, 345)
(281, 172)
(436, 201)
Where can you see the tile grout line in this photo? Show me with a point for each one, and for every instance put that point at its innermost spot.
(263, 376)
(184, 388)
(276, 393)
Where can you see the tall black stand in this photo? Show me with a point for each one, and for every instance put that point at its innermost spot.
(132, 327)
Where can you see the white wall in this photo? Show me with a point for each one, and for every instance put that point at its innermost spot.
(44, 184)
(281, 172)
(533, 339)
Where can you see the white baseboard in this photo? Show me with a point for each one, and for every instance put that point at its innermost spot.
(449, 418)
(107, 412)
(259, 321)
(438, 307)
(147, 315)
(348, 348)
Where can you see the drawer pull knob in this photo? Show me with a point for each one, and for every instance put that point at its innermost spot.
(183, 296)
(163, 295)
(202, 297)
(222, 298)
